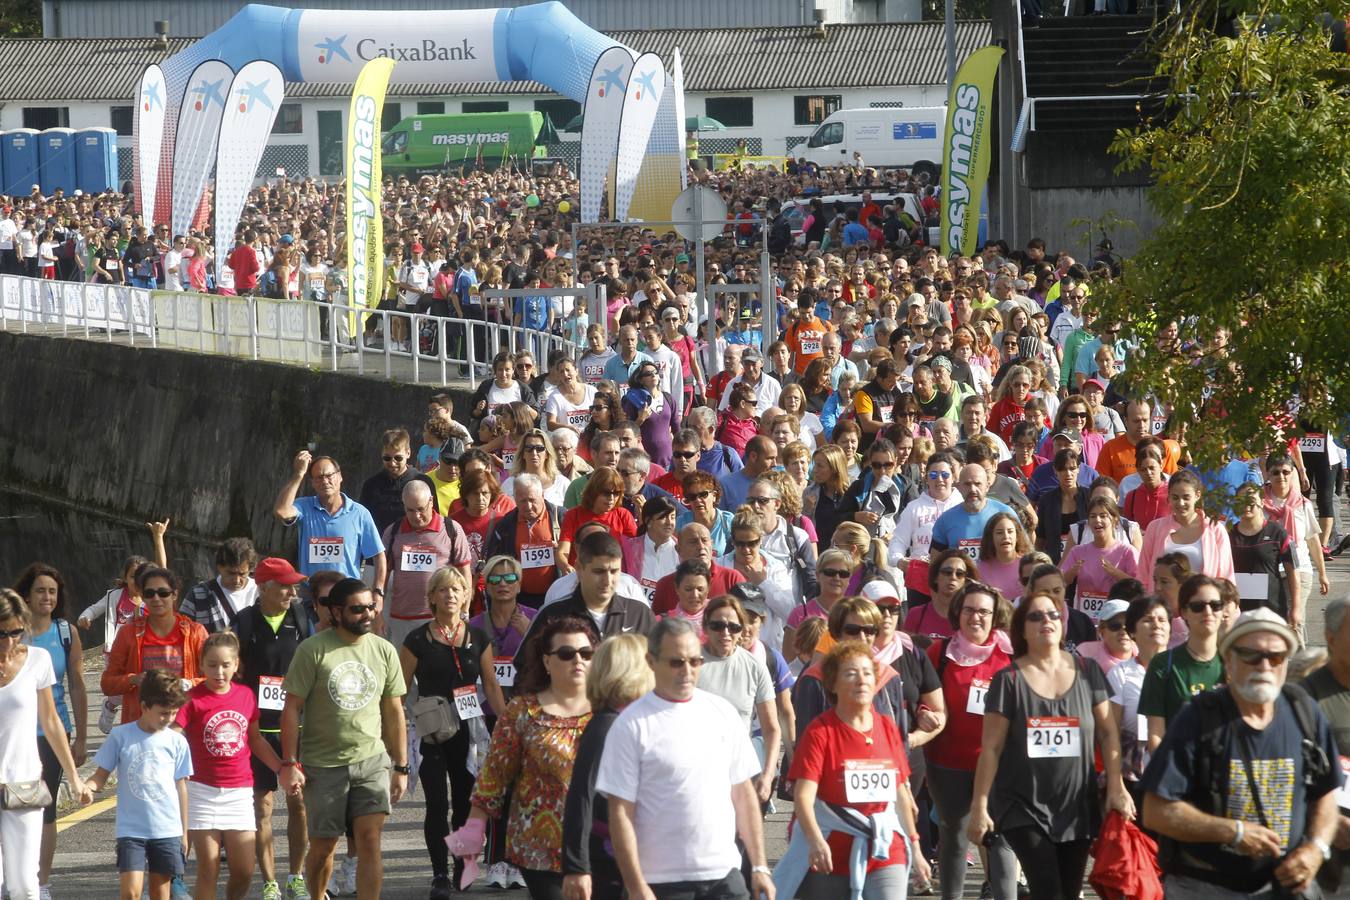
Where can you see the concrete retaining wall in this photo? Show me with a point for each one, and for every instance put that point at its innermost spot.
(207, 440)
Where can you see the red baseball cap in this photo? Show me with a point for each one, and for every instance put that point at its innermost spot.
(274, 568)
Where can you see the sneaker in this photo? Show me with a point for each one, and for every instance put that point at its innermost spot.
(44, 892)
(271, 891)
(440, 888)
(987, 891)
(108, 717)
(1023, 890)
(296, 888)
(496, 875)
(334, 882)
(513, 877)
(921, 889)
(178, 889)
(349, 875)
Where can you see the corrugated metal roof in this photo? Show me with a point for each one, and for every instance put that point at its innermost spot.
(715, 61)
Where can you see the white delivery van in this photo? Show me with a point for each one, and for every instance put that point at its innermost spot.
(889, 137)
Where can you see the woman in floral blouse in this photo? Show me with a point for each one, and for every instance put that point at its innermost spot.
(533, 749)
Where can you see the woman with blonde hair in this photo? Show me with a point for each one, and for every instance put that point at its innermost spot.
(619, 674)
(790, 502)
(536, 457)
(796, 461)
(829, 481)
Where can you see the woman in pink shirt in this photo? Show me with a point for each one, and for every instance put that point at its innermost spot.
(1098, 564)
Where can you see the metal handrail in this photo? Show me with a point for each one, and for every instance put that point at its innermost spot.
(332, 336)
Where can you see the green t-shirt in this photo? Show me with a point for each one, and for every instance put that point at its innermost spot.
(1173, 678)
(343, 685)
(1077, 338)
(1334, 699)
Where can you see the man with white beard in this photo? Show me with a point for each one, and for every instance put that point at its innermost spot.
(1243, 789)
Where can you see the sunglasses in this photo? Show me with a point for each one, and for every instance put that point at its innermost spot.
(1041, 615)
(882, 466)
(939, 476)
(727, 627)
(678, 662)
(836, 573)
(952, 573)
(1246, 654)
(1199, 606)
(760, 501)
(18, 632)
(567, 654)
(1075, 415)
(361, 608)
(746, 545)
(394, 458)
(504, 578)
(698, 495)
(685, 454)
(611, 493)
(1116, 625)
(532, 448)
(855, 630)
(164, 593)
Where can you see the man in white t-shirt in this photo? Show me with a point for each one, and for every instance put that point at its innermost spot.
(8, 261)
(173, 260)
(678, 761)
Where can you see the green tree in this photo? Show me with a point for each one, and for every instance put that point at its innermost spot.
(21, 18)
(1252, 165)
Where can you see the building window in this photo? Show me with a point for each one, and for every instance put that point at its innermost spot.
(430, 107)
(559, 112)
(814, 109)
(392, 115)
(41, 117)
(289, 120)
(733, 112)
(475, 106)
(122, 119)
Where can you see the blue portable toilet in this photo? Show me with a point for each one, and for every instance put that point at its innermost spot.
(96, 160)
(56, 160)
(19, 152)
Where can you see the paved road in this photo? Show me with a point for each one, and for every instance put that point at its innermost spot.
(85, 852)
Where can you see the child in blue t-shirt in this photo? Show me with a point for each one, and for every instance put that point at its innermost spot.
(153, 764)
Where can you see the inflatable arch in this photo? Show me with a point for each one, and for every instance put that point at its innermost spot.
(542, 42)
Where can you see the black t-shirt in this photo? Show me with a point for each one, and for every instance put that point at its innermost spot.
(383, 496)
(919, 678)
(1275, 760)
(263, 651)
(441, 668)
(1261, 554)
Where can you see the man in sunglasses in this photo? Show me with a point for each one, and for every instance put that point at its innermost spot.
(382, 493)
(644, 772)
(347, 686)
(1244, 788)
(1184, 671)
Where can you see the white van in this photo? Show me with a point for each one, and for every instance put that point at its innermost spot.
(889, 137)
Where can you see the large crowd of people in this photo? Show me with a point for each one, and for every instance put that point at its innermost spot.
(927, 567)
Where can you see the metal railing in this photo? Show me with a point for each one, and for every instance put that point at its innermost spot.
(420, 348)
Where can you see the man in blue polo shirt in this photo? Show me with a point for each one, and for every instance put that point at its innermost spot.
(963, 526)
(336, 532)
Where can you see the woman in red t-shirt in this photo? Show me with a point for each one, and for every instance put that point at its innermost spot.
(853, 758)
(599, 503)
(481, 505)
(966, 663)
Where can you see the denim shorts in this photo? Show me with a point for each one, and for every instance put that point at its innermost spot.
(160, 856)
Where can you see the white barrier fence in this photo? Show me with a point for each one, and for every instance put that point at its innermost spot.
(401, 346)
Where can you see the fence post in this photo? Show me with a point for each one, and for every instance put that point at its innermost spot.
(388, 350)
(468, 350)
(415, 345)
(253, 326)
(440, 346)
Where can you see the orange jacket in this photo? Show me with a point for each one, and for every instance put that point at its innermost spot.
(125, 661)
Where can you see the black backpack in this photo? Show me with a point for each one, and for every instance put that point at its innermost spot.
(1217, 710)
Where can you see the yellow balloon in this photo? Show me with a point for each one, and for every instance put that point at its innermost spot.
(564, 206)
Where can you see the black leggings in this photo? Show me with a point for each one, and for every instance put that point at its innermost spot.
(1054, 870)
(543, 885)
(444, 765)
(1322, 481)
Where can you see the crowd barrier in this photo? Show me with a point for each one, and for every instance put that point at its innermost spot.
(393, 344)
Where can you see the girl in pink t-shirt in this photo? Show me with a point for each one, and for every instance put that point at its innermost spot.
(220, 723)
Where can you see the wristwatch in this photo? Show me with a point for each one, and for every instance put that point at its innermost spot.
(402, 770)
(1322, 846)
(765, 870)
(290, 761)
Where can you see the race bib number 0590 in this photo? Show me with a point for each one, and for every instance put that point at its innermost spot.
(1054, 737)
(868, 781)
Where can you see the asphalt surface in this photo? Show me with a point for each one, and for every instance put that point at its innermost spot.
(85, 857)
